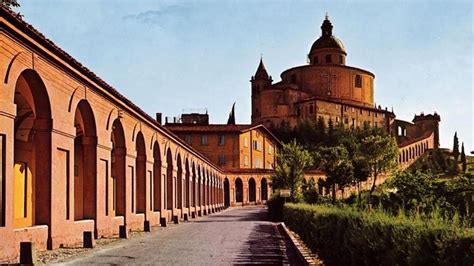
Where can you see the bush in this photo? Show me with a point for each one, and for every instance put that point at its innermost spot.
(346, 236)
(275, 208)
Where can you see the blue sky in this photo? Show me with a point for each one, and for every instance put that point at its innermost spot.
(167, 56)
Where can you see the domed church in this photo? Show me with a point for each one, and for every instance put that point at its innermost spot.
(328, 88)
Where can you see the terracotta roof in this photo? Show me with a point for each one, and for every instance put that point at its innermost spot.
(411, 141)
(27, 28)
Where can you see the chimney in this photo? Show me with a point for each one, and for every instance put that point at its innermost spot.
(158, 117)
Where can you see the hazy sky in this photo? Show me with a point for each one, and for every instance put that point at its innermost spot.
(167, 56)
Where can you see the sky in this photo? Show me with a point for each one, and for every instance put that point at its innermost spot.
(170, 56)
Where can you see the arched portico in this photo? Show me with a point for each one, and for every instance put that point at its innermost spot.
(32, 152)
(85, 163)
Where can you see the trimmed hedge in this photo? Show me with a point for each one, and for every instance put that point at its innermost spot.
(346, 236)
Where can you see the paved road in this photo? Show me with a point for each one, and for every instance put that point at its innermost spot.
(234, 236)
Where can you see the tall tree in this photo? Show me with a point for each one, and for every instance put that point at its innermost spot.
(9, 3)
(456, 147)
(463, 159)
(292, 159)
(337, 166)
(381, 153)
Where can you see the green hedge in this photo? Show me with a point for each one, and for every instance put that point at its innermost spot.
(346, 236)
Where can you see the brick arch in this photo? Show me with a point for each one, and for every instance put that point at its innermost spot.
(239, 190)
(252, 190)
(32, 150)
(179, 181)
(85, 162)
(140, 173)
(156, 190)
(169, 180)
(193, 186)
(118, 154)
(187, 176)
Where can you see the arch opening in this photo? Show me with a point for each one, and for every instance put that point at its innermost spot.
(156, 177)
(264, 189)
(32, 153)
(226, 193)
(85, 163)
(140, 173)
(117, 183)
(239, 195)
(169, 180)
(252, 190)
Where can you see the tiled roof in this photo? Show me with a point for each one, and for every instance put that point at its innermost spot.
(411, 141)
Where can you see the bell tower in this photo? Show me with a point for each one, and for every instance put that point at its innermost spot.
(259, 82)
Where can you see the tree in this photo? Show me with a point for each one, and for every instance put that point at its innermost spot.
(415, 190)
(456, 147)
(9, 3)
(463, 159)
(292, 159)
(337, 166)
(381, 153)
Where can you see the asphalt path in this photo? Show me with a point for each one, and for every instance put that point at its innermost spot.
(233, 236)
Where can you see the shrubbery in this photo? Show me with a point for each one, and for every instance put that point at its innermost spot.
(347, 236)
(275, 208)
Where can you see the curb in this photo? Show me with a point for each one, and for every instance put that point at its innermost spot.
(304, 254)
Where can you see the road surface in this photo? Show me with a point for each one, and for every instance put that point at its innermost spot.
(234, 236)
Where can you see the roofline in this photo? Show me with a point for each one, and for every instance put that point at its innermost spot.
(343, 103)
(331, 65)
(97, 83)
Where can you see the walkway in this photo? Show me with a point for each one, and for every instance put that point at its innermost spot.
(234, 236)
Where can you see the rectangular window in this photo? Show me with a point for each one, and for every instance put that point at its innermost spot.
(204, 140)
(328, 58)
(353, 122)
(358, 81)
(360, 111)
(246, 142)
(187, 138)
(270, 149)
(246, 160)
(258, 163)
(2, 180)
(221, 140)
(311, 109)
(221, 159)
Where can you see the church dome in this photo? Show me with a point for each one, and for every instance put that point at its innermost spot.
(325, 42)
(327, 49)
